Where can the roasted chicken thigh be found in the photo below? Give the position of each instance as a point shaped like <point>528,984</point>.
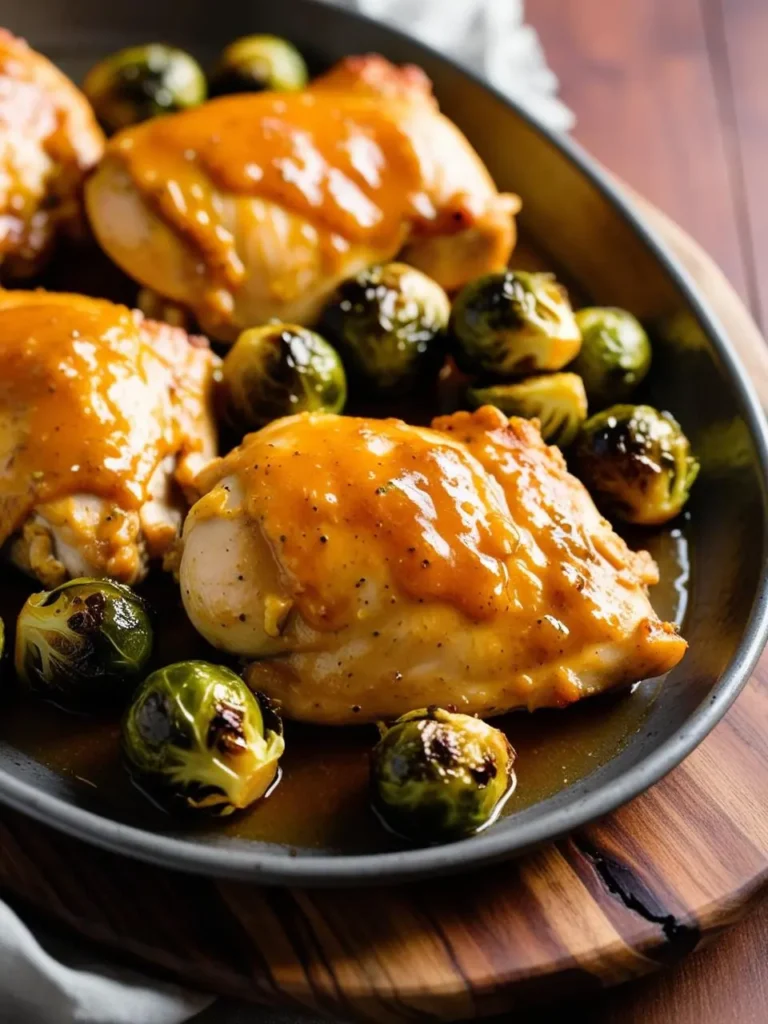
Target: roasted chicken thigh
<point>367,567</point>
<point>255,206</point>
<point>49,138</point>
<point>105,419</point>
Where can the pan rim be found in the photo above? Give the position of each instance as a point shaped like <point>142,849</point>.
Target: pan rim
<point>222,860</point>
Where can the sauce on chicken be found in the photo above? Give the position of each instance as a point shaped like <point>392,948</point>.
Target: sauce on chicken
<point>93,400</point>
<point>253,207</point>
<point>343,162</point>
<point>359,495</point>
<point>348,551</point>
<point>48,140</point>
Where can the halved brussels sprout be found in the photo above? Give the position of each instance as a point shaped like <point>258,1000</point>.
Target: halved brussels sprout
<point>196,739</point>
<point>556,400</point>
<point>142,82</point>
<point>281,369</point>
<point>513,323</point>
<point>615,354</point>
<point>637,463</point>
<point>388,324</point>
<point>255,63</point>
<point>83,645</point>
<point>437,775</point>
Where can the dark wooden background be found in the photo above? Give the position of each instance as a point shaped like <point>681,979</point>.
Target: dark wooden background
<point>672,95</point>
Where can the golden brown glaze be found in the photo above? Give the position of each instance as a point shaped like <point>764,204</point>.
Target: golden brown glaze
<point>322,800</point>
<point>49,138</point>
<point>98,403</point>
<point>302,189</point>
<point>415,503</point>
<point>347,165</point>
<point>585,580</point>
<point>376,567</point>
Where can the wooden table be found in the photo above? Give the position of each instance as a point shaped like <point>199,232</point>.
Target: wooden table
<point>672,95</point>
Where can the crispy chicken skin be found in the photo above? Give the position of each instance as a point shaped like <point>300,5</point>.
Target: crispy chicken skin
<point>368,567</point>
<point>105,420</point>
<point>49,138</point>
<point>255,206</point>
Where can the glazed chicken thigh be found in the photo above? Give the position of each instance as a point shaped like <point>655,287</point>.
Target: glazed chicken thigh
<point>105,419</point>
<point>255,206</point>
<point>49,138</point>
<point>368,567</point>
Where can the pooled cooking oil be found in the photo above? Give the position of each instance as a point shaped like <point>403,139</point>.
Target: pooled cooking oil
<point>322,799</point>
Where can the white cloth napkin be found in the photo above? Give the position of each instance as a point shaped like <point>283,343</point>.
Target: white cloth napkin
<point>64,985</point>
<point>46,981</point>
<point>489,36</point>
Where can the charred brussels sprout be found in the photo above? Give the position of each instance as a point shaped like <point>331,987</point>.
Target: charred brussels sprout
<point>637,463</point>
<point>142,82</point>
<point>513,323</point>
<point>615,354</point>
<point>196,739</point>
<point>281,369</point>
<point>255,63</point>
<point>437,776</point>
<point>387,323</point>
<point>556,400</point>
<point>84,645</point>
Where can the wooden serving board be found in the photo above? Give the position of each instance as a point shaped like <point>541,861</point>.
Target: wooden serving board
<point>620,898</point>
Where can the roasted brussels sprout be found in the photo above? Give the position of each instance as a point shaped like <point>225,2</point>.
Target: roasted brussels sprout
<point>513,323</point>
<point>437,775</point>
<point>83,645</point>
<point>254,63</point>
<point>387,324</point>
<point>615,354</point>
<point>636,462</point>
<point>141,82</point>
<point>197,740</point>
<point>556,400</point>
<point>280,369</point>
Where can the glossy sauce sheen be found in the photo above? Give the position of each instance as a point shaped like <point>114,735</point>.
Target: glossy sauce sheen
<point>24,107</point>
<point>45,123</point>
<point>79,380</point>
<point>340,161</point>
<point>418,503</point>
<point>387,539</point>
<point>322,799</point>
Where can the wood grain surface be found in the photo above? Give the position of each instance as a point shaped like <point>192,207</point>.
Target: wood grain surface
<point>648,99</point>
<point>627,69</point>
<point>739,32</point>
<point>672,97</point>
<point>639,890</point>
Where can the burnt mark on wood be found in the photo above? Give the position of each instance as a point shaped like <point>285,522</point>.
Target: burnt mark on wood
<point>626,886</point>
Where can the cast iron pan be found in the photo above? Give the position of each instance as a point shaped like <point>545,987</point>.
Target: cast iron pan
<point>597,244</point>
